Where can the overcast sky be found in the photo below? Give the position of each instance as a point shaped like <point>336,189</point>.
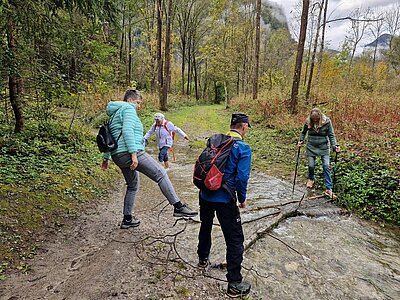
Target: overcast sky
<point>336,32</point>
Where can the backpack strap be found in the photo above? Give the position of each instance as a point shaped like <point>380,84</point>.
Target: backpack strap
<point>112,118</point>
<point>165,126</point>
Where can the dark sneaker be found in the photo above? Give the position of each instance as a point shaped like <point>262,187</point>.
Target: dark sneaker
<point>130,223</point>
<point>184,211</point>
<point>203,263</point>
<point>238,289</point>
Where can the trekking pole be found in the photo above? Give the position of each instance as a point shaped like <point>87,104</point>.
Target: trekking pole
<point>334,170</point>
<point>295,171</point>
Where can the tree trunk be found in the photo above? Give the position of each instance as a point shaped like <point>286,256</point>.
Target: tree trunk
<point>307,59</point>
<point>189,58</point>
<point>159,46</point>
<point>13,80</point>
<point>5,104</point>
<point>183,64</point>
<point>227,100</point>
<point>129,54</point>
<point>299,57</point>
<point>310,77</point>
<point>321,49</point>
<point>196,87</point>
<point>205,87</point>
<point>257,51</point>
<point>122,36</point>
<point>163,102</point>
<point>237,82</point>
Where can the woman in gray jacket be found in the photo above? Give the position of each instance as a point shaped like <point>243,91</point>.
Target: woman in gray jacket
<point>320,137</point>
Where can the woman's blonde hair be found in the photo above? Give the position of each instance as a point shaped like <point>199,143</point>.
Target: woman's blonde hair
<point>315,118</point>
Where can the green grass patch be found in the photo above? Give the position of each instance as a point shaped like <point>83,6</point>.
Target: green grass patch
<point>203,118</point>
<point>199,122</point>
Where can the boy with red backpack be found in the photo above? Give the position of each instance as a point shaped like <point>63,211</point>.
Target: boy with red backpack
<point>165,132</point>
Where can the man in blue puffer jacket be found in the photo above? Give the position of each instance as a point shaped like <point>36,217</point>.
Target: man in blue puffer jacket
<point>131,158</point>
<point>224,204</point>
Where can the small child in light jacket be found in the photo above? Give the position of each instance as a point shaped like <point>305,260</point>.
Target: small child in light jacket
<point>164,131</point>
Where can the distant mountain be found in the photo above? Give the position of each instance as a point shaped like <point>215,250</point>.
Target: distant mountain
<point>332,51</point>
<point>382,42</point>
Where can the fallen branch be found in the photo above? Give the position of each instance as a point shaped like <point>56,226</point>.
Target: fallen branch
<point>262,217</point>
<point>262,233</point>
<point>301,200</point>
<point>291,248</point>
<point>273,206</point>
<point>161,211</point>
<point>316,197</point>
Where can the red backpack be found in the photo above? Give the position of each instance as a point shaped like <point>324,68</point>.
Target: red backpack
<point>209,166</point>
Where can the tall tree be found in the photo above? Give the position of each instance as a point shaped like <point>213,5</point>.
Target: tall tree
<point>376,31</point>
<point>159,48</point>
<point>299,57</point>
<point>359,25</point>
<point>183,15</point>
<point>167,79</point>
<point>310,77</point>
<point>14,79</point>
<point>24,22</point>
<point>322,44</point>
<point>392,21</point>
<point>393,55</point>
<point>257,50</point>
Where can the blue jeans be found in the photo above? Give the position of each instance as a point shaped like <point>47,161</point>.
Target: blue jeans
<point>163,155</point>
<point>149,167</point>
<point>325,167</point>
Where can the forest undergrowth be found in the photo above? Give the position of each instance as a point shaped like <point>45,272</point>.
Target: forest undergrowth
<point>367,125</point>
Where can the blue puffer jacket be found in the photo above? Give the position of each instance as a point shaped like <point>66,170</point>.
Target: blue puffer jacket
<point>236,173</point>
<point>124,119</point>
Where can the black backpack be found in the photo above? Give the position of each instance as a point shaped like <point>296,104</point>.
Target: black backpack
<point>208,168</point>
<point>105,140</point>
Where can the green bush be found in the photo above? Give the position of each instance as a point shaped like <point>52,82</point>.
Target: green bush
<point>370,188</point>
<point>47,173</point>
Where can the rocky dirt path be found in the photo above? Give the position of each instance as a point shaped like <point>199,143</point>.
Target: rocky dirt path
<point>93,259</point>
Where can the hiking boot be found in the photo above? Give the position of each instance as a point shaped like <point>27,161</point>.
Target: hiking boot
<point>133,222</point>
<point>237,289</point>
<point>310,183</point>
<point>203,263</point>
<point>184,211</point>
<point>330,194</point>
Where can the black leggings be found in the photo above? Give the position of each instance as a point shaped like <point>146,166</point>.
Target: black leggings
<point>229,218</point>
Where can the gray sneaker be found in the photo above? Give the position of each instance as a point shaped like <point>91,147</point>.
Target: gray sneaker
<point>125,224</point>
<point>184,211</point>
<point>238,289</point>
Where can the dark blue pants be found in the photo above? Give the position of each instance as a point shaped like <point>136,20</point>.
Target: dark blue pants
<point>229,218</point>
<point>163,155</point>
